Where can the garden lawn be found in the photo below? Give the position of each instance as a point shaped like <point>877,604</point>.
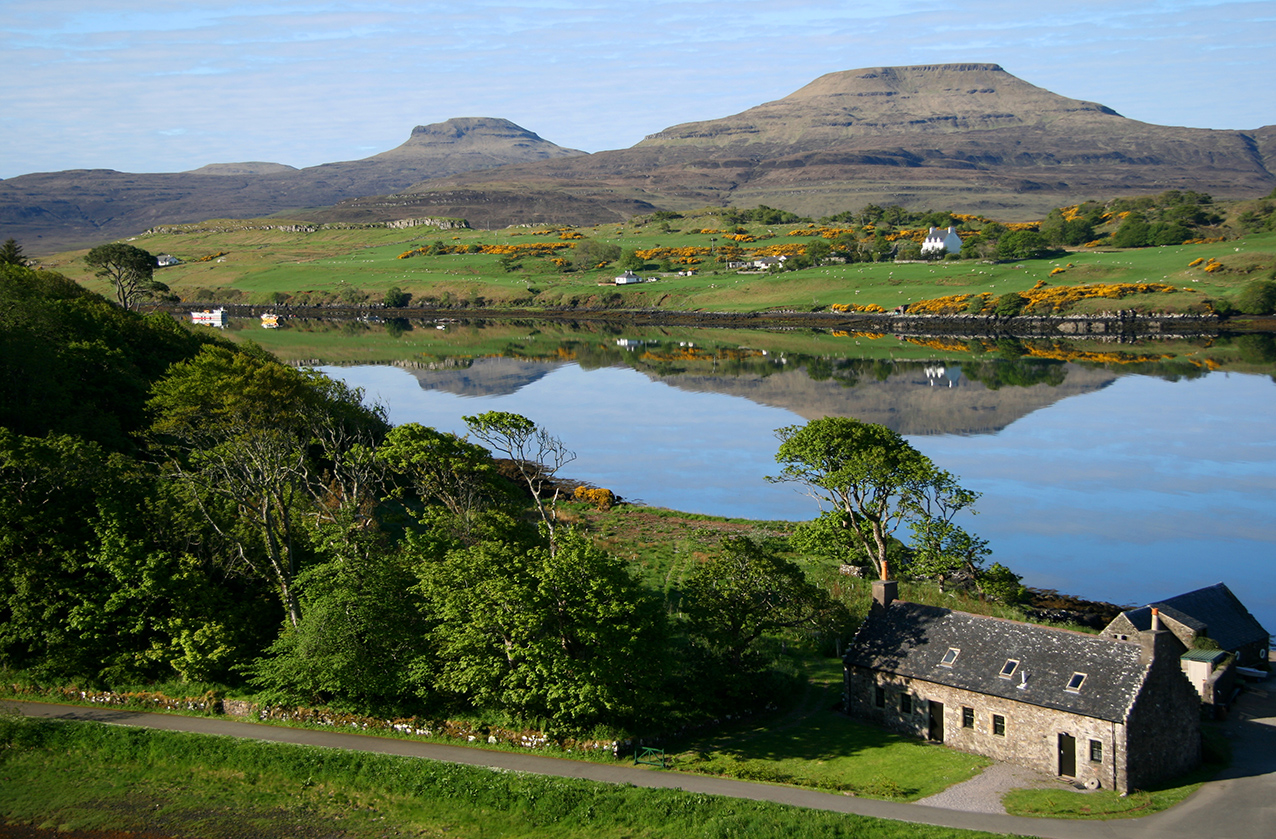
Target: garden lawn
<point>816,746</point>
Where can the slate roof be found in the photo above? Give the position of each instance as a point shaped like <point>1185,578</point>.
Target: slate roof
<point>1213,611</point>
<point>911,640</point>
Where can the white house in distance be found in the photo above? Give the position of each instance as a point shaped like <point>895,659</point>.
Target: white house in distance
<point>627,278</point>
<point>941,241</point>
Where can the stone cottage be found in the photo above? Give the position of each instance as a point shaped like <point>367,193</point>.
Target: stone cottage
<point>1104,712</point>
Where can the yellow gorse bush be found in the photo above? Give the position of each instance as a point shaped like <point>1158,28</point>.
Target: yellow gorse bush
<point>1057,298</point>
<point>600,498</point>
<point>950,305</point>
<point>687,252</point>
<point>856,307</point>
<point>1041,297</point>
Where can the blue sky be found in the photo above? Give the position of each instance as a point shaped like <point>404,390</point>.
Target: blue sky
<point>145,86</point>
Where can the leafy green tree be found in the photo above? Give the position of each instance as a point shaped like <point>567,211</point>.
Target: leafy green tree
<point>264,450</point>
<point>941,549</point>
<point>446,469</point>
<point>1133,232</point>
<point>1009,304</point>
<point>99,581</point>
<point>1000,583</point>
<point>865,471</point>
<point>570,636</point>
<point>396,298</point>
<point>73,363</point>
<point>731,601</point>
<point>536,454</point>
<point>590,253</point>
<point>1022,244</point>
<point>129,270</point>
<point>362,641</point>
<point>1258,297</point>
<point>631,261</point>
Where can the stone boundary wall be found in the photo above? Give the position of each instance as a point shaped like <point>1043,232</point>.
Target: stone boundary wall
<point>212,704</point>
<point>231,226</point>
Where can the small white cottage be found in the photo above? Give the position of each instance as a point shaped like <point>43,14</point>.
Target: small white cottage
<point>941,242</point>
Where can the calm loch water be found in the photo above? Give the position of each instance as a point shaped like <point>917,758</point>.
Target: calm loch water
<point>1126,488</point>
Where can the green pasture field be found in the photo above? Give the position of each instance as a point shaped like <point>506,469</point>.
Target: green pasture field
<point>256,265</point>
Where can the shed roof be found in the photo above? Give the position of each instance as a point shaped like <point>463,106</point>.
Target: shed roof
<point>912,640</point>
<point>1213,611</point>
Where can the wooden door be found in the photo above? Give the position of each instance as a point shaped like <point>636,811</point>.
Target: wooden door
<point>936,721</point>
<point>1067,755</point>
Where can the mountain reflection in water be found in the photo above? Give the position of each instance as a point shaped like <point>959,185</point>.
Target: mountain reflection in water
<point>1125,488</point>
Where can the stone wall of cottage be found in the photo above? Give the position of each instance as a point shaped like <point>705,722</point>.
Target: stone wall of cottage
<point>1165,722</point>
<point>1031,735</point>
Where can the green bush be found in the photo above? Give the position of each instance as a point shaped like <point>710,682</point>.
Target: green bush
<point>1257,298</point>
<point>1011,304</point>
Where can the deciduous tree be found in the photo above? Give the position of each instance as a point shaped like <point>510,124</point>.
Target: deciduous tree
<point>734,599</point>
<point>266,452</point>
<point>129,270</point>
<point>535,453</point>
<point>867,472</point>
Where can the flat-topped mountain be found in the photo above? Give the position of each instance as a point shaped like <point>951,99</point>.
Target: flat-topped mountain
<point>54,210</point>
<point>962,137</point>
<point>885,101</point>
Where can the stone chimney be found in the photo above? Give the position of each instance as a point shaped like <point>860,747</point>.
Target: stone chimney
<point>1158,643</point>
<point>884,590</point>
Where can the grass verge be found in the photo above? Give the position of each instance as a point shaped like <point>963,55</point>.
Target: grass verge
<point>83,776</point>
<point>1107,804</point>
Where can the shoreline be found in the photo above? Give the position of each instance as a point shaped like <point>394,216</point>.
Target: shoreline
<point>1122,324</point>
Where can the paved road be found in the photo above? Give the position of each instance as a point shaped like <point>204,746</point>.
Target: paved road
<point>1239,805</point>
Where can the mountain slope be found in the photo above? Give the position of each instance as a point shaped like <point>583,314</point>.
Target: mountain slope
<point>966,137</point>
<point>54,210</point>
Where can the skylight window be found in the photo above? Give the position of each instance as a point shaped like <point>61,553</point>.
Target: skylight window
<point>949,657</point>
<point>1075,683</point>
<point>1008,669</point>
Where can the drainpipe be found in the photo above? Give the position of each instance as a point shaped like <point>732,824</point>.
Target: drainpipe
<point>1114,755</point>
